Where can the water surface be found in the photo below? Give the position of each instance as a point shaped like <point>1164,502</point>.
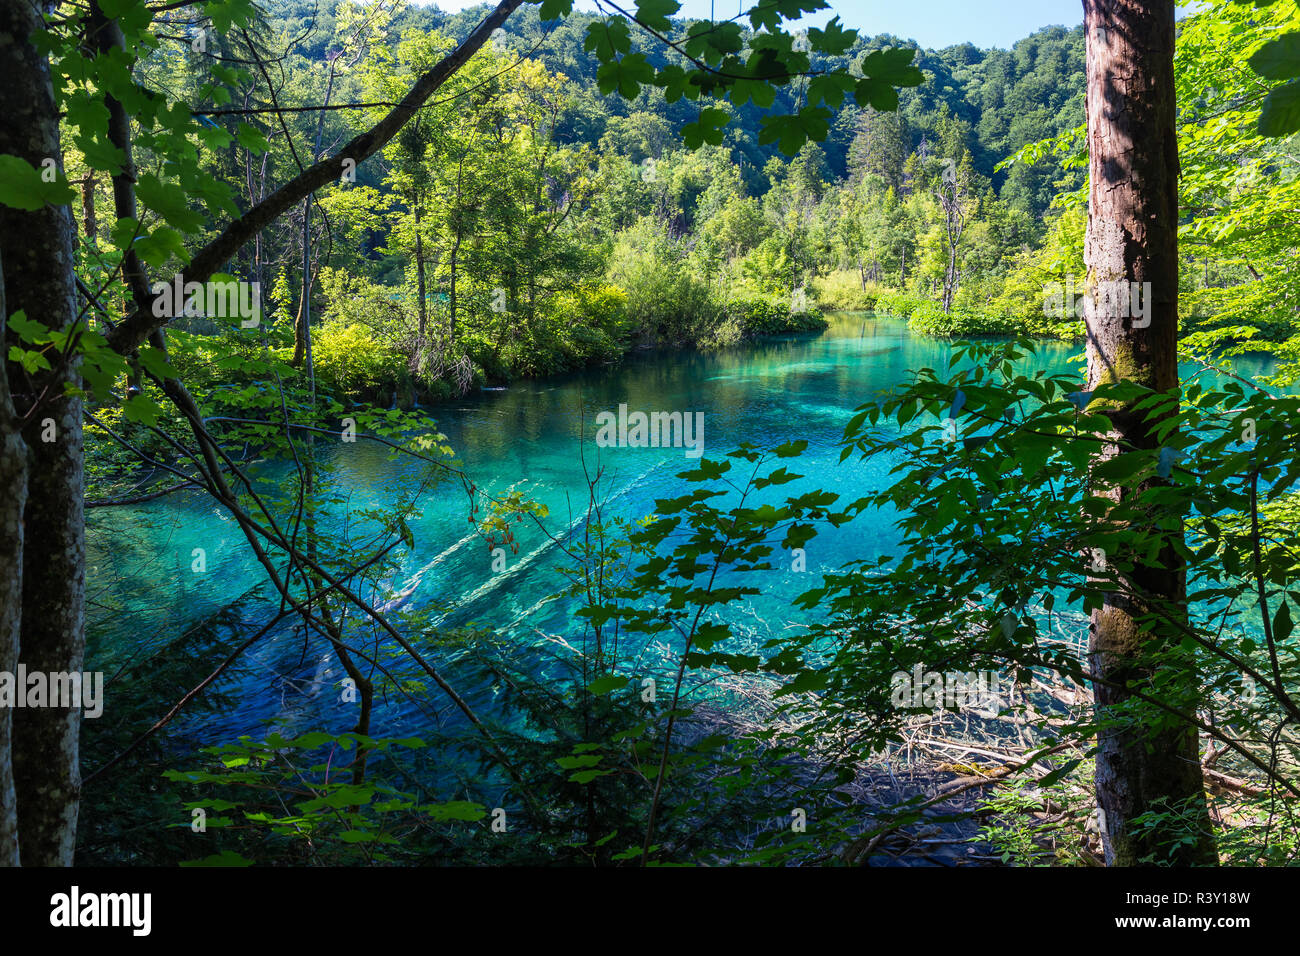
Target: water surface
<point>538,438</point>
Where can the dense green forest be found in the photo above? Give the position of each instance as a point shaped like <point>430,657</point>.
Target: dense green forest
<point>953,520</point>
<point>700,246</point>
<point>425,286</point>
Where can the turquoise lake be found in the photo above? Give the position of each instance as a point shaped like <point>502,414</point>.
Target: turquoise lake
<point>538,438</point>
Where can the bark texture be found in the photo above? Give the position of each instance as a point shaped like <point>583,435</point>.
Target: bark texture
<point>13,498</point>
<point>36,250</point>
<point>1132,237</point>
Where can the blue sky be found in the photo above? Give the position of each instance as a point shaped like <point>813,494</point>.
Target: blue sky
<point>932,23</point>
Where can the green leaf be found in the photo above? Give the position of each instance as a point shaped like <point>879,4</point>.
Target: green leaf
<point>675,82</point>
<point>831,89</point>
<point>608,38</point>
<point>252,139</point>
<point>877,94</point>
<point>760,92</point>
<point>159,246</point>
<point>100,153</point>
<point>456,810</point>
<point>22,186</point>
<point>807,681</point>
<point>893,66</point>
<point>707,129</point>
<point>1281,113</point>
<point>114,9</point>
<point>1050,778</point>
<point>155,362</point>
<point>657,14</point>
<point>170,201</point>
<point>790,133</point>
<point>1278,59</point>
<point>586,776</point>
<point>769,13</point>
<point>29,330</point>
<point>554,9</point>
<point>626,75</point>
<point>610,682</point>
<point>573,763</point>
<point>32,362</point>
<point>142,409</point>
<point>711,42</point>
<point>834,40</point>
<point>1282,626</point>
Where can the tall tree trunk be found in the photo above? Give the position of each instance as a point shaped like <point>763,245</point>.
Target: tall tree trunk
<point>36,251</point>
<point>420,285</point>
<point>451,310</point>
<point>13,498</point>
<point>302,357</point>
<point>949,196</point>
<point>302,327</point>
<point>90,224</point>
<point>1133,238</point>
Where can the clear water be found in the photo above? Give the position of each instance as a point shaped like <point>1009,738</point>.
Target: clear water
<point>538,437</point>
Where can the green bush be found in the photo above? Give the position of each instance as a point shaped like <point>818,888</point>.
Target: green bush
<point>750,318</point>
<point>765,317</point>
<point>666,303</point>
<point>929,319</point>
<point>353,362</point>
<point>577,327</point>
<point>842,291</point>
<point>483,353</point>
<point>900,304</point>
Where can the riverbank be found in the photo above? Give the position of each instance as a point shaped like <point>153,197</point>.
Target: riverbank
<point>597,326</point>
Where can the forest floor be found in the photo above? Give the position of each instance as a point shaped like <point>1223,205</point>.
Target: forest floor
<point>952,789</point>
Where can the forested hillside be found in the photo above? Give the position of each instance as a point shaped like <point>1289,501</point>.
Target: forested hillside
<point>694,246</point>
<point>423,281</point>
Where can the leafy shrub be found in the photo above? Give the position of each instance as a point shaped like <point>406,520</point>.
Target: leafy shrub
<point>750,318</point>
<point>483,354</point>
<point>287,799</point>
<point>927,317</point>
<point>930,319</point>
<point>765,317</point>
<point>579,327</point>
<point>1023,290</point>
<point>352,300</point>
<point>352,361</point>
<point>666,303</point>
<point>842,291</point>
<point>900,304</point>
<point>768,268</point>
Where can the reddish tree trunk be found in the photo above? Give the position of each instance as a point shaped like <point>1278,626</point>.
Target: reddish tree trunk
<point>1133,237</point>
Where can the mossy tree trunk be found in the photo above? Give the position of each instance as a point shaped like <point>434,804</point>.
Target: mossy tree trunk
<point>1132,237</point>
<point>36,253</point>
<point>13,498</point>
